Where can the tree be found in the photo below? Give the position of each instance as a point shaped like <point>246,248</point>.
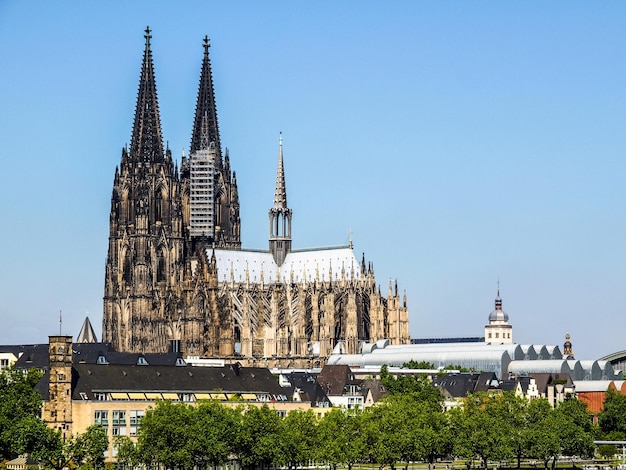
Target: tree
<point>165,437</point>
<point>577,431</point>
<point>214,428</point>
<point>340,438</point>
<point>94,442</point>
<point>20,403</point>
<point>126,451</point>
<point>260,431</point>
<point>542,435</point>
<point>512,411</point>
<point>404,384</point>
<point>298,438</point>
<point>413,364</point>
<point>59,452</point>
<point>612,418</point>
<point>481,429</point>
<point>386,431</point>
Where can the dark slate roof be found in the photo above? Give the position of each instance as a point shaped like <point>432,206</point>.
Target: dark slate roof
<point>334,378</point>
<point>376,388</point>
<point>544,379</point>
<point>508,385</point>
<point>87,353</point>
<point>457,385</point>
<point>35,355</point>
<point>310,388</point>
<point>90,378</point>
<point>485,381</point>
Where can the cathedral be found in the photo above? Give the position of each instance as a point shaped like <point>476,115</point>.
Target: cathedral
<point>177,277</point>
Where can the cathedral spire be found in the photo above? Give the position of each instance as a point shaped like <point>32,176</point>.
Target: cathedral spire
<point>280,193</point>
<point>280,214</point>
<point>206,109</point>
<point>147,140</point>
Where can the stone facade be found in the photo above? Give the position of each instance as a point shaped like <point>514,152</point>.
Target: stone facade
<point>162,281</point>
<point>57,411</point>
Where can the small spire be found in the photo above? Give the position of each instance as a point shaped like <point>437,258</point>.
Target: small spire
<point>86,335</point>
<point>280,194</point>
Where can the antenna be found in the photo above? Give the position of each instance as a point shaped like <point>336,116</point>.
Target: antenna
<point>60,323</point>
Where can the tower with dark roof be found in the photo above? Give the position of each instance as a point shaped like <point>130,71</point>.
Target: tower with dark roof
<point>498,330</point>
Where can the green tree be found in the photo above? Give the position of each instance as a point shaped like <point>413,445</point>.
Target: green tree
<point>481,430</point>
<point>413,364</point>
<point>512,412</point>
<point>386,431</point>
<point>126,451</point>
<point>340,436</point>
<point>612,418</point>
<point>257,441</point>
<point>215,428</point>
<point>577,431</point>
<point>19,404</point>
<point>543,440</point>
<point>298,438</point>
<point>60,452</point>
<point>165,437</point>
<point>93,443</point>
<point>403,384</point>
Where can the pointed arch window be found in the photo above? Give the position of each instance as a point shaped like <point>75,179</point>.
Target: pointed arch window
<point>161,267</point>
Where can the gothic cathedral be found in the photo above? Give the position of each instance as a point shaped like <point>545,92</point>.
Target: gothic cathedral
<point>177,277</point>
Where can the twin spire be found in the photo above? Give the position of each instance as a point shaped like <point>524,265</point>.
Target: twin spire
<point>205,121</point>
<point>147,141</point>
<point>147,138</point>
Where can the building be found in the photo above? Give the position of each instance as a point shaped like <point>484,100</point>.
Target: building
<point>498,330</point>
<point>176,272</point>
<point>79,389</point>
<point>495,353</point>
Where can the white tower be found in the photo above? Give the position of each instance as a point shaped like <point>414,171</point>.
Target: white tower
<point>498,331</point>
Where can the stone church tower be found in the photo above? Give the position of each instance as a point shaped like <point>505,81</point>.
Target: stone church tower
<point>158,283</point>
<point>176,273</point>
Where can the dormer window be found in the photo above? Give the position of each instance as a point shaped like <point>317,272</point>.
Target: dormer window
<point>102,360</point>
<point>141,361</point>
<point>180,361</point>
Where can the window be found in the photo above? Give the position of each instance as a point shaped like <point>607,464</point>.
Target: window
<point>98,396</point>
<point>135,421</point>
<point>281,413</point>
<point>4,363</point>
<point>119,422</point>
<point>101,417</point>
<point>355,402</point>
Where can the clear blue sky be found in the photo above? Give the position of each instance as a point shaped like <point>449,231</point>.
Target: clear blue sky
<point>461,142</point>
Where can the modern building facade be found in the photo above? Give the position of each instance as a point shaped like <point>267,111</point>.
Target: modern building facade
<point>176,272</point>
